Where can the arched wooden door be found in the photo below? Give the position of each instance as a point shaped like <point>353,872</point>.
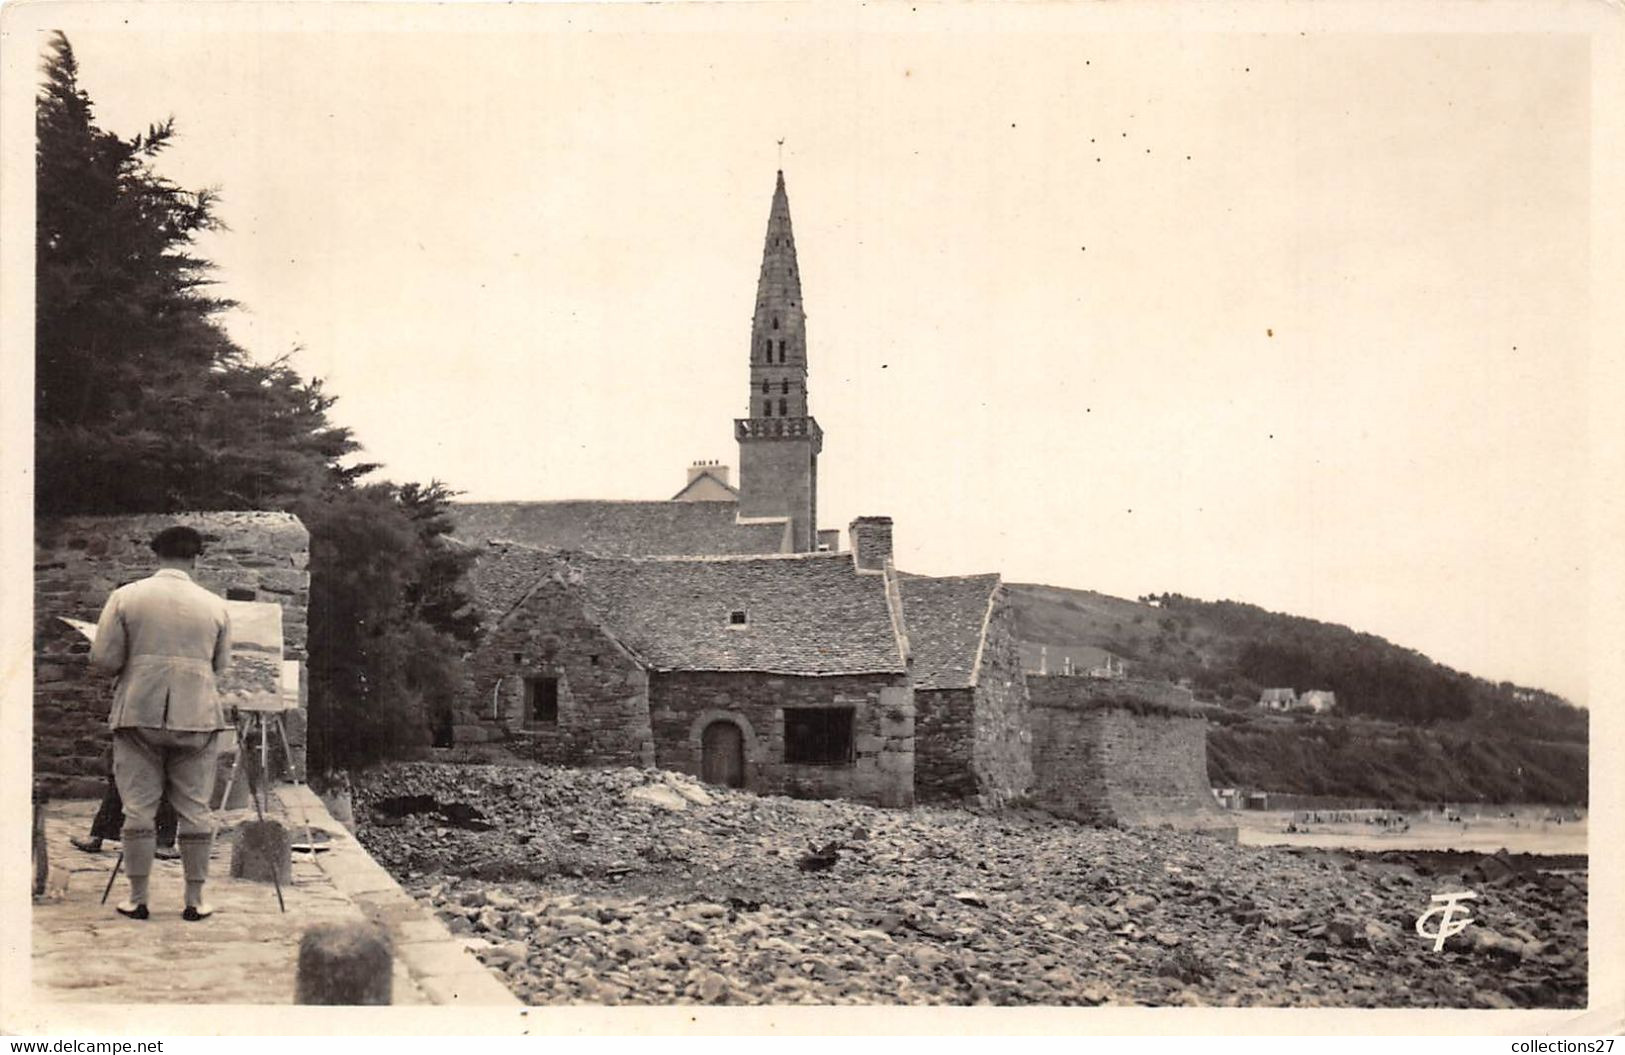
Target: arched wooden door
<point>722,755</point>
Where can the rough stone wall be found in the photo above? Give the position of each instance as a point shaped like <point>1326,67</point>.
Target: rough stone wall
<point>1069,777</point>
<point>944,736</point>
<point>603,713</point>
<point>1104,762</point>
<point>1003,751</point>
<point>683,703</point>
<point>79,561</point>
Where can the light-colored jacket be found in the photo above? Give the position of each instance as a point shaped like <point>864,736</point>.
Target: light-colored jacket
<point>167,639</point>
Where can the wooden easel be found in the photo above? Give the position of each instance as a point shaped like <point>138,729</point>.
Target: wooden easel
<point>264,722</point>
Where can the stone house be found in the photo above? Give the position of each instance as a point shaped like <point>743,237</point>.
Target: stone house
<point>79,561</point>
<point>1129,751</point>
<point>782,674</point>
<point>1278,700</point>
<point>972,736</point>
<point>705,633</point>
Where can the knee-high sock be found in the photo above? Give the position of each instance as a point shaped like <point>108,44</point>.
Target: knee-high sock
<point>138,847</point>
<point>195,847</point>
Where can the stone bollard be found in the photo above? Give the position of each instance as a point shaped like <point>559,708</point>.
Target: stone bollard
<point>345,963</point>
<point>261,849</point>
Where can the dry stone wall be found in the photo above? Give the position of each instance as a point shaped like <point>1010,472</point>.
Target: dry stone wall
<point>882,769</point>
<point>945,737</point>
<point>79,561</point>
<point>1002,753</point>
<point>1102,760</point>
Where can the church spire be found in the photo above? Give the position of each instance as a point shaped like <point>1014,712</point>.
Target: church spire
<point>779,439</point>
<point>778,357</point>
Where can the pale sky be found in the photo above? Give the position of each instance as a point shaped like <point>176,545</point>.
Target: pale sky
<point>1293,320</point>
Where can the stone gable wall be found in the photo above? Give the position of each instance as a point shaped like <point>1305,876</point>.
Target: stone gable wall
<point>1003,753</point>
<point>682,703</point>
<point>603,716</point>
<point>1103,763</point>
<point>976,744</point>
<point>79,561</point>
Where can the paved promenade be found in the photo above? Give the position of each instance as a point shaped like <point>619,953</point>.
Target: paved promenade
<point>247,953</point>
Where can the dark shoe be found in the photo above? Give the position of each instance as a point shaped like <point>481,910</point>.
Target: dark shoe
<point>167,853</point>
<point>132,911</point>
<point>193,913</point>
<point>89,846</point>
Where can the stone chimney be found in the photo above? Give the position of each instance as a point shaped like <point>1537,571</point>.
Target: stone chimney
<point>717,469</point>
<point>871,542</point>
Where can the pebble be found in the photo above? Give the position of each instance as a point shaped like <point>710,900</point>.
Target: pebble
<point>703,903</point>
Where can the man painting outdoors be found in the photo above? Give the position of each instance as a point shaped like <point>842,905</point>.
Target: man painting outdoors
<point>167,639</point>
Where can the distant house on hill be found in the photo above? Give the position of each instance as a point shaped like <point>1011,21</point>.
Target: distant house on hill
<point>1279,699</point>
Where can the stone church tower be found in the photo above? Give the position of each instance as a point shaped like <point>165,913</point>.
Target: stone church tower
<point>779,440</point>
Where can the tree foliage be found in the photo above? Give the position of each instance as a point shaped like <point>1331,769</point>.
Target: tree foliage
<point>143,404</point>
<point>387,619</point>
<point>1252,648</point>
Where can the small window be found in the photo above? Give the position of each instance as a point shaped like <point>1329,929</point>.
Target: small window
<point>767,348</point>
<point>784,408</point>
<point>764,386</point>
<point>781,350</point>
<point>767,408</point>
<point>736,617</point>
<point>542,700</point>
<point>775,322</point>
<point>593,659</point>
<point>818,736</point>
<point>239,593</point>
<point>784,388</point>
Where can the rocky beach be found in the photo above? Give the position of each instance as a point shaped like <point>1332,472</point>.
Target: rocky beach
<point>625,886</point>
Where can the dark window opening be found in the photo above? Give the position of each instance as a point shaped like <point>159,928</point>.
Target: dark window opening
<point>736,618</point>
<point>767,408</point>
<point>593,659</point>
<point>781,351</point>
<point>784,388</point>
<point>775,322</point>
<point>818,736</point>
<point>239,593</point>
<point>542,700</point>
<point>783,408</point>
<point>764,386</point>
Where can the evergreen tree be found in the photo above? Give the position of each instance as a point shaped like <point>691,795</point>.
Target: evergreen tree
<point>144,405</point>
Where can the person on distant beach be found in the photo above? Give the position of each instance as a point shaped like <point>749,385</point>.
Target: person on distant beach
<point>168,640</point>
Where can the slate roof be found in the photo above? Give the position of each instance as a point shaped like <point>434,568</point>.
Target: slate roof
<point>623,529</point>
<point>806,614</point>
<point>946,619</point>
